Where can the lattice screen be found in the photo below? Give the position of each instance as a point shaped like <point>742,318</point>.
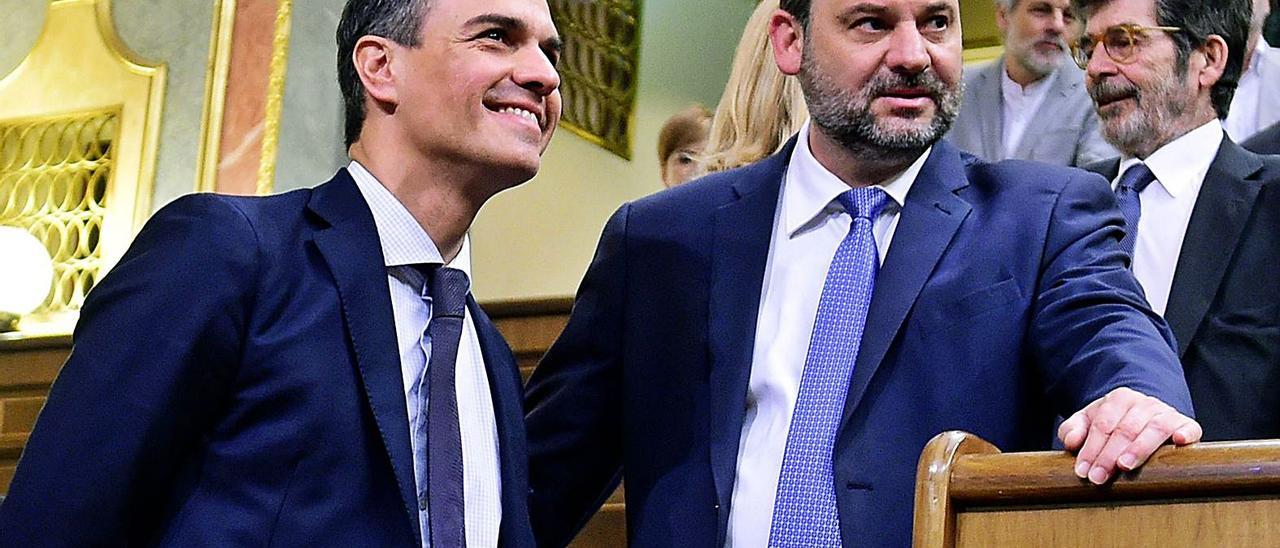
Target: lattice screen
<point>53,182</point>
<point>598,68</point>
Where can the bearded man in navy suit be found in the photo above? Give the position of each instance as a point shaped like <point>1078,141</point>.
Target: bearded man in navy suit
<point>269,371</point>
<point>762,354</point>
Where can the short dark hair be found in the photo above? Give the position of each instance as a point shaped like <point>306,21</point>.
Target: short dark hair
<point>683,129</point>
<point>1200,19</point>
<point>397,20</point>
<point>798,9</point>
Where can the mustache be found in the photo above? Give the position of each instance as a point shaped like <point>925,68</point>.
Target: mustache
<point>1106,91</point>
<point>1055,40</point>
<point>927,81</point>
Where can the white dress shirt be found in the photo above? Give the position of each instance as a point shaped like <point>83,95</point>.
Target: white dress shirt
<point>1180,168</point>
<point>1248,115</point>
<point>808,226</point>
<point>1020,108</point>
<point>404,244</point>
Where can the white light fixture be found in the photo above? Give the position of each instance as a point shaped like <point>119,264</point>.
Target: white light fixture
<point>26,275</point>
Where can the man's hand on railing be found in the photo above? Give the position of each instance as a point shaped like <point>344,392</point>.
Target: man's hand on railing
<point>1120,430</point>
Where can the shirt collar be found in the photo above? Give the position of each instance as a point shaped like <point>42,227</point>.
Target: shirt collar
<point>1263,49</point>
<point>1180,165</point>
<point>403,240</point>
<point>811,189</point>
<point>1014,89</point>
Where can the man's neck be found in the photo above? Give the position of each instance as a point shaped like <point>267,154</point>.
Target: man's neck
<point>443,199</point>
<point>1142,151</point>
<point>1020,74</point>
<point>859,166</point>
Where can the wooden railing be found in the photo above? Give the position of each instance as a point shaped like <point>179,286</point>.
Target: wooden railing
<point>1210,494</point>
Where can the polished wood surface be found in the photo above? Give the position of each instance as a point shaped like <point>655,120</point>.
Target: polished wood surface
<point>1220,493</point>
<point>1210,524</point>
<point>27,369</point>
<point>530,326</point>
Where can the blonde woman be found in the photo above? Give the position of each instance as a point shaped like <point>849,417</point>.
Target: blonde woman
<point>761,107</point>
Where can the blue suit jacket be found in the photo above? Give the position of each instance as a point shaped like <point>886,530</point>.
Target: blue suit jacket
<point>235,381</point>
<point>1003,301</point>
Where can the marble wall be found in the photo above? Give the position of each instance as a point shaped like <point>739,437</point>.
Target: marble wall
<point>311,132</point>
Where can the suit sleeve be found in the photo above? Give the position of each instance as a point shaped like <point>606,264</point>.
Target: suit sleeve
<point>1093,330</point>
<point>154,354</point>
<point>573,401</point>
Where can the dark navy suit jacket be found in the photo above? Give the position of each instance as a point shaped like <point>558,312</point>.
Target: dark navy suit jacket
<point>235,381</point>
<point>1266,141</point>
<point>1224,302</point>
<point>1004,300</point>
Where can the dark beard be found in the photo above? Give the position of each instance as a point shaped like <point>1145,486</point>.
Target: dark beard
<point>845,115</point>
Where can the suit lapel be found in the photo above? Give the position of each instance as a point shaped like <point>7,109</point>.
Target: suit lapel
<point>351,248</point>
<point>504,385</point>
<point>742,232</point>
<point>1049,116</point>
<point>1223,207</point>
<point>1108,169</point>
<point>991,102</point>
<point>928,222</point>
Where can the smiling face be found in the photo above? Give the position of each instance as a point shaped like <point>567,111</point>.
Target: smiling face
<point>882,74</point>
<point>1035,34</point>
<point>481,88</point>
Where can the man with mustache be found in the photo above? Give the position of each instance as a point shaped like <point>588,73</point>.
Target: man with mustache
<point>310,369</point>
<point>1031,102</point>
<point>1202,214</point>
<point>763,353</point>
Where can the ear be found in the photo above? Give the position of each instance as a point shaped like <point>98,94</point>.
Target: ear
<point>786,33</point>
<point>1002,18</point>
<point>1215,61</point>
<point>372,57</point>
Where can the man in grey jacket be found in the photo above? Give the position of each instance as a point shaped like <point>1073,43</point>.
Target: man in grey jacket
<point>1030,103</point>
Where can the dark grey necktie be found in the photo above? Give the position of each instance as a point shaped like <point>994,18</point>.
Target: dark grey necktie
<point>1133,182</point>
<point>448,289</point>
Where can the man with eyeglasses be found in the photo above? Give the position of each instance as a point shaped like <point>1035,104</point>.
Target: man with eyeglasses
<point>1031,103</point>
<point>1202,213</point>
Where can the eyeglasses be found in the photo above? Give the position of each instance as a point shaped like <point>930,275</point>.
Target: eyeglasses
<point>1119,42</point>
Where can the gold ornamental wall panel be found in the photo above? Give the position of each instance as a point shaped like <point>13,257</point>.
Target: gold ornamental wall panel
<point>598,69</point>
<point>54,174</point>
<point>79,127</point>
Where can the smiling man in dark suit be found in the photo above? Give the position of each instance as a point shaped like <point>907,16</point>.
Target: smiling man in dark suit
<point>762,354</point>
<point>1203,213</point>
<point>269,371</point>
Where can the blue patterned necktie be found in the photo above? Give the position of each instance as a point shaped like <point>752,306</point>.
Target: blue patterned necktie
<point>1133,182</point>
<point>441,491</point>
<point>804,513</point>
